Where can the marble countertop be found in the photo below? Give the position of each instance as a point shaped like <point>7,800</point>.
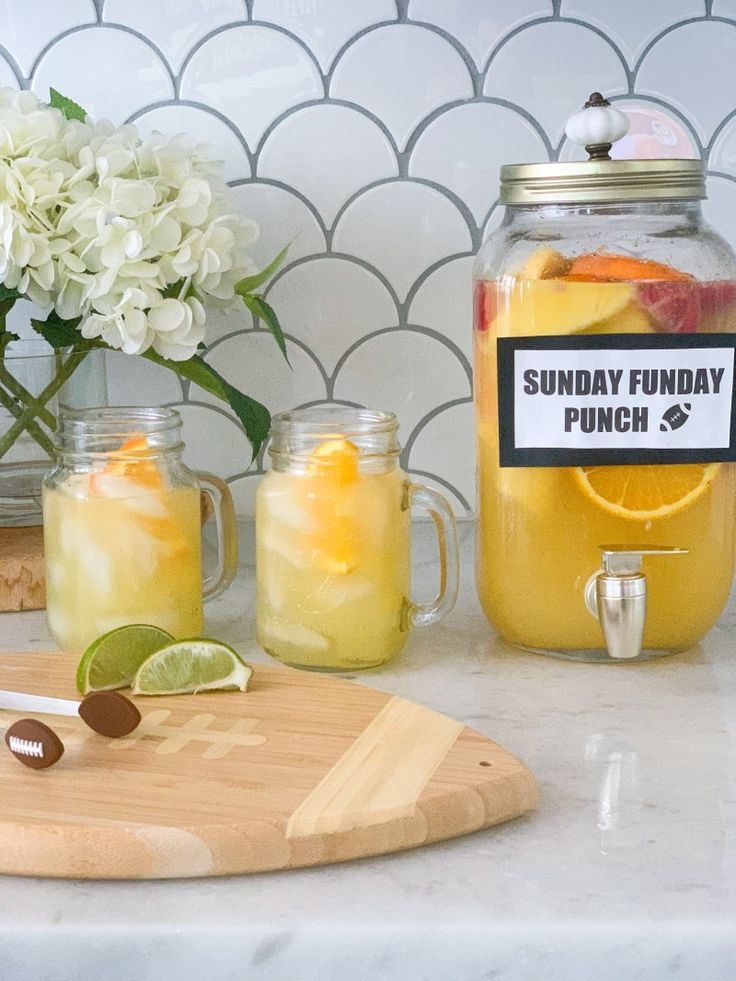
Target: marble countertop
<point>628,868</point>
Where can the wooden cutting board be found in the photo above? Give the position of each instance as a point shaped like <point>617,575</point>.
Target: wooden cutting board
<point>302,769</point>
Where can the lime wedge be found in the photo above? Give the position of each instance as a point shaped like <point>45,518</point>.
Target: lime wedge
<point>189,666</point>
<point>112,660</point>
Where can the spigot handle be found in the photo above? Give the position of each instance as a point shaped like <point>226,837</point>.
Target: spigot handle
<point>623,560</point>
<point>617,596</point>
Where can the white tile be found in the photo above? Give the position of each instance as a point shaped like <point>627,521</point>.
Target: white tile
<point>226,318</point>
<point>462,151</point>
<point>404,372</point>
<point>282,218</point>
<point>401,228</point>
<point>478,24</point>
<point>135,381</point>
<point>401,73</point>
<point>550,70</point>
<point>329,304</point>
<point>445,447</point>
<point>27,26</point>
<point>458,505</point>
<point>244,490</point>
<point>172,25</point>
<point>110,72</point>
<point>724,8</point>
<point>214,441</point>
<point>327,153</point>
<point>201,127</point>
<point>324,25</point>
<point>19,319</point>
<point>253,363</point>
<point>632,25</point>
<point>654,133</point>
<point>444,302</point>
<point>723,152</point>
<point>252,75</point>
<point>7,75</point>
<point>494,221</point>
<point>720,207</point>
<point>693,68</point>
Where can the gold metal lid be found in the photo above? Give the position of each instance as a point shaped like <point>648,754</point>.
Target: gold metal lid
<point>602,181</point>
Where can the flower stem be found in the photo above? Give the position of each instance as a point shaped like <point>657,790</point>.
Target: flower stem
<point>33,408</point>
<point>15,388</point>
<point>32,427</point>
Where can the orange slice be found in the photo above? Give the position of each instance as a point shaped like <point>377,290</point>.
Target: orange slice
<point>333,468</point>
<point>335,458</point>
<point>131,461</point>
<point>645,493</point>
<point>603,266</point>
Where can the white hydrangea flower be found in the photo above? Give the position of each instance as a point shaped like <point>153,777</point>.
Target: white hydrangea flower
<point>135,237</point>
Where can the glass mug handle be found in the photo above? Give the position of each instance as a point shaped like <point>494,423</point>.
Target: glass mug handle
<point>227,534</point>
<point>421,614</point>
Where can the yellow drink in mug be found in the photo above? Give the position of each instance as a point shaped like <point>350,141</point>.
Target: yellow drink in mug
<point>333,539</point>
<point>122,527</point>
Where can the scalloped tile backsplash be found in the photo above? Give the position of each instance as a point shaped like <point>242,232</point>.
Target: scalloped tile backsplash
<point>373,130</point>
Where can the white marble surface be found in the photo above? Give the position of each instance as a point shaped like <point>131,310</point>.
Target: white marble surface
<point>628,869</point>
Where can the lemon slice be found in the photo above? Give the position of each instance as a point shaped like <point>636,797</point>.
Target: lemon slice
<point>190,666</point>
<point>645,493</point>
<point>112,660</point>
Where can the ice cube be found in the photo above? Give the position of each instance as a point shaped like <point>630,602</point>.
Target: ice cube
<point>272,631</point>
<point>282,505</point>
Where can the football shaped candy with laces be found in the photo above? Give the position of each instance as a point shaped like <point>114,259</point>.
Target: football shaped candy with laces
<point>34,744</point>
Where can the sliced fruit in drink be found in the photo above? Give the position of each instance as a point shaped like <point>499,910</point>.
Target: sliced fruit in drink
<point>191,666</point>
<point>609,267</point>
<point>544,263</point>
<point>554,307</point>
<point>674,307</point>
<point>630,320</point>
<point>131,462</point>
<point>333,468</point>
<point>485,304</point>
<point>112,660</point>
<point>645,493</point>
<point>276,632</point>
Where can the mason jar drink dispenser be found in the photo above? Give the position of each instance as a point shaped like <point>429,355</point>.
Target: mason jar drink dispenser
<point>604,319</point>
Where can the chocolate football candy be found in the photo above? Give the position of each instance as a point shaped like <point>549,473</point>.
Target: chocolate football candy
<point>34,744</point>
<point>109,713</point>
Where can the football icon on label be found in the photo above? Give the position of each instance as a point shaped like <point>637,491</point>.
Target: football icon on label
<point>676,416</point>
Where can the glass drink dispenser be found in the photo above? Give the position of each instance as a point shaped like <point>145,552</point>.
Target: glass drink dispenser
<point>604,319</point>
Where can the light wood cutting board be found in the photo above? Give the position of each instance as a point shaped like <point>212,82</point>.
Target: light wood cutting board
<point>302,769</point>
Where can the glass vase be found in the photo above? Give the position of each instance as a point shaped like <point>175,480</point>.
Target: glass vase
<point>35,382</point>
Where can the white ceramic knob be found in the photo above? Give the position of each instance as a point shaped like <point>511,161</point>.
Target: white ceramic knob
<point>598,124</point>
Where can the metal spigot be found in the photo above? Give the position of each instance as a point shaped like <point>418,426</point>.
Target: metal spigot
<point>617,596</point>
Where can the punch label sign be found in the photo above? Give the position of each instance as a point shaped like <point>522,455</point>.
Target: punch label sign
<point>616,399</point>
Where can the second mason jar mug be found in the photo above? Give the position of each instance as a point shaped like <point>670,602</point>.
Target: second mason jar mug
<point>333,539</point>
<point>122,527</point>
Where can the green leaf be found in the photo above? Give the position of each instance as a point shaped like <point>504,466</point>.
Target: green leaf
<point>259,308</point>
<point>61,333</point>
<point>255,418</point>
<point>8,294</point>
<point>6,337</point>
<point>250,283</point>
<point>68,108</point>
<point>7,299</point>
